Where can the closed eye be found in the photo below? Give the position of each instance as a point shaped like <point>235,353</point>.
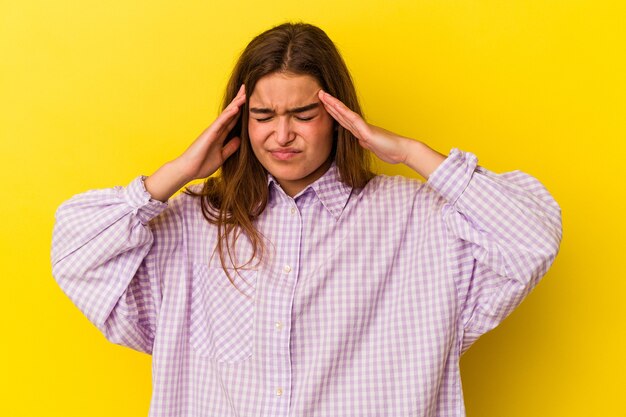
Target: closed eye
<point>300,118</point>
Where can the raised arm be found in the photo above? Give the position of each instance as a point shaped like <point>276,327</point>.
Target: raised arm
<point>506,228</point>
<point>110,246</point>
<point>205,155</point>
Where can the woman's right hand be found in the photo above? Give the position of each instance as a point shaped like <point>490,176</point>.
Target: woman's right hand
<point>203,157</point>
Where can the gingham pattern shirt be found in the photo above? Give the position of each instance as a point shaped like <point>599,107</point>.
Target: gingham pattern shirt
<point>362,306</point>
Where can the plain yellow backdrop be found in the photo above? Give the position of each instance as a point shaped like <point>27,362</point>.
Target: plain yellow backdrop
<point>96,93</point>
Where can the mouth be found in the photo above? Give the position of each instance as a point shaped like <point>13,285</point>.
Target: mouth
<point>284,154</point>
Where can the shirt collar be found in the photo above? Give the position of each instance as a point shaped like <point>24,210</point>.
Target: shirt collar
<point>331,192</point>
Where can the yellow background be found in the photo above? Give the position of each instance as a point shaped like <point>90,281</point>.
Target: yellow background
<point>94,93</point>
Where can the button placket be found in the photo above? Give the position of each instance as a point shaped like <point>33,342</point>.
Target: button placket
<point>287,265</point>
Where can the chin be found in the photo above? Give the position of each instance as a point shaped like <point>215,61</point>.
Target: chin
<point>287,174</point>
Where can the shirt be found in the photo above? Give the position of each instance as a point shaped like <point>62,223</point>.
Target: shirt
<point>362,305</point>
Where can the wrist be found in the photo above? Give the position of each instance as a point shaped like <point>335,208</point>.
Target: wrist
<point>166,181</point>
<point>177,173</point>
<point>423,159</point>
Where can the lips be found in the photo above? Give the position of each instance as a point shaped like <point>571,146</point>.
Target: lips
<point>284,154</point>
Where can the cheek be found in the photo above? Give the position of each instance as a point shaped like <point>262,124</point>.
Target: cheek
<point>256,133</point>
<point>322,132</point>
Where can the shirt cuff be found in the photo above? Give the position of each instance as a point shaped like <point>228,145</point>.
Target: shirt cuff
<point>453,175</point>
<point>144,206</point>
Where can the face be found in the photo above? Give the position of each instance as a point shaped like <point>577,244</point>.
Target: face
<point>290,131</point>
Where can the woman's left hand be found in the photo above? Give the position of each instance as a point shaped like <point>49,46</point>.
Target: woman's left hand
<point>386,145</point>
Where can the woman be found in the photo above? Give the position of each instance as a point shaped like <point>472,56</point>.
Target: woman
<point>334,292</point>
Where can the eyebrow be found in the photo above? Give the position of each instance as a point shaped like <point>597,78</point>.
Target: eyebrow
<point>301,109</point>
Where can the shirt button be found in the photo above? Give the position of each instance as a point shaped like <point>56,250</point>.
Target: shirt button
<point>286,269</point>
<point>278,325</point>
<point>292,210</point>
<point>279,392</point>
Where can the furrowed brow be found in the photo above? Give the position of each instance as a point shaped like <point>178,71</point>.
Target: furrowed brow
<point>261,111</point>
<point>302,109</point>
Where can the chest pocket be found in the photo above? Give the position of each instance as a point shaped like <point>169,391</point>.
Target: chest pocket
<point>222,315</point>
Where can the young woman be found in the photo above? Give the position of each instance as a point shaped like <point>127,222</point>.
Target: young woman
<point>297,282</point>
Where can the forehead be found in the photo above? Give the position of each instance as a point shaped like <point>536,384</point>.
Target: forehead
<point>279,90</point>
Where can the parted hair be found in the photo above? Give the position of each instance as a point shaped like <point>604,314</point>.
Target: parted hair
<point>235,198</point>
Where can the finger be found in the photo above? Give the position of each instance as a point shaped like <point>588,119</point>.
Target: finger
<point>232,124</point>
<point>222,131</point>
<point>341,109</point>
<point>240,97</point>
<point>233,115</point>
<point>342,121</point>
<point>236,103</point>
<point>220,125</point>
<point>346,117</point>
<point>230,147</point>
<point>328,105</point>
<point>338,109</point>
<point>228,118</point>
<point>225,122</point>
<point>238,100</point>
<point>242,90</point>
<point>349,119</point>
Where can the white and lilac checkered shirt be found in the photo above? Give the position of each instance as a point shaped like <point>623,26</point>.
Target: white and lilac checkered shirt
<point>364,303</point>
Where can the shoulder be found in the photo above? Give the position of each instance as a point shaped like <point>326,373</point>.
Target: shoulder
<point>396,191</point>
<point>383,185</point>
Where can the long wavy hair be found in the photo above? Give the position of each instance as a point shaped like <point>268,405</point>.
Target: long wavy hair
<point>235,198</point>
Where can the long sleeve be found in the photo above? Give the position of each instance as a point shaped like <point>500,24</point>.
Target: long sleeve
<point>506,231</point>
<point>105,257</point>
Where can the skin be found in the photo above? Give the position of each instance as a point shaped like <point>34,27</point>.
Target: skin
<point>290,131</point>
<point>284,133</point>
<point>386,145</point>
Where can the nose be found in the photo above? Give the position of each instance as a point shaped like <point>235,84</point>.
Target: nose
<point>284,133</point>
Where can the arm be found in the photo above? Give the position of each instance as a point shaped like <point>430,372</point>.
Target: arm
<point>205,155</point>
<point>100,240</point>
<point>110,246</point>
<point>506,229</point>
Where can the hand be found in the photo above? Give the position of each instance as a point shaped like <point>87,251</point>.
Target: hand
<point>203,157</point>
<point>386,145</point>
<point>208,152</point>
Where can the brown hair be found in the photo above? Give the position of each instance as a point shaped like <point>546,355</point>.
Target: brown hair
<point>235,199</point>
